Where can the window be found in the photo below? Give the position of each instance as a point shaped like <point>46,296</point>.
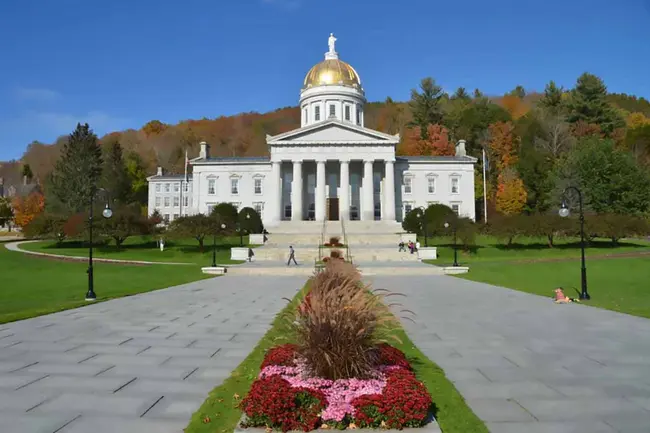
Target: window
<point>332,110</point>
<point>176,187</point>
<point>317,113</point>
<point>186,201</point>
<point>157,201</point>
<point>175,217</point>
<point>455,207</point>
<point>166,187</point>
<point>347,113</point>
<point>166,218</point>
<point>431,185</point>
<point>157,187</point>
<point>234,186</point>
<point>166,201</point>
<point>258,186</point>
<point>210,208</point>
<point>187,187</point>
<point>259,207</point>
<point>454,185</point>
<point>287,211</point>
<point>212,186</point>
<point>408,207</point>
<point>408,185</point>
<point>358,115</point>
<point>177,201</point>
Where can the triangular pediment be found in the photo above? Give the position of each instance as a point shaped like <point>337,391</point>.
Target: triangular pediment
<point>332,132</point>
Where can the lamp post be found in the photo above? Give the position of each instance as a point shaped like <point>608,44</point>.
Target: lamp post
<point>214,246</point>
<point>423,225</point>
<point>106,213</point>
<point>241,231</point>
<point>564,212</point>
<point>455,249</point>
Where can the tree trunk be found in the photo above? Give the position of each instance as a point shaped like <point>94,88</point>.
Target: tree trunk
<point>550,240</point>
<point>200,244</point>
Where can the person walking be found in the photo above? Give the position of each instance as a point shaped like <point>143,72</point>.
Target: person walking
<point>292,256</point>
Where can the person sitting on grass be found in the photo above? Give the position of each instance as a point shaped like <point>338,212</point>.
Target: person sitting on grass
<point>561,298</point>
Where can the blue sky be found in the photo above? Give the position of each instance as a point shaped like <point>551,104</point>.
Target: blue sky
<point>118,64</point>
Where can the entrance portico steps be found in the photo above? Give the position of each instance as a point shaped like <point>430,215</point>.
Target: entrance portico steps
<point>306,268</point>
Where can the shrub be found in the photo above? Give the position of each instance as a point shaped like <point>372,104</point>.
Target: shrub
<point>338,333</point>
<point>280,355</point>
<point>273,403</point>
<point>405,402</point>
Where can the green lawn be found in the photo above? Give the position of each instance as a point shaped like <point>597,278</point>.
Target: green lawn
<point>619,284</point>
<point>145,248</point>
<point>490,249</point>
<point>219,412</point>
<point>32,286</point>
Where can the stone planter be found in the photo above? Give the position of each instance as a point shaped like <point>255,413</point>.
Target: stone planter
<point>452,270</point>
<point>256,239</point>
<point>239,253</point>
<point>219,270</point>
<point>428,253</point>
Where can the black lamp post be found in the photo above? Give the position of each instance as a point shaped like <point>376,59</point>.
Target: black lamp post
<point>214,246</point>
<point>423,225</point>
<point>241,231</point>
<point>564,212</point>
<point>106,213</point>
<point>455,249</point>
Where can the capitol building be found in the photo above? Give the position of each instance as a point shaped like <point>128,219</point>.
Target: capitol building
<point>330,168</point>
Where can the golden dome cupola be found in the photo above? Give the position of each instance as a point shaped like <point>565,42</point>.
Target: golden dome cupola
<point>332,90</point>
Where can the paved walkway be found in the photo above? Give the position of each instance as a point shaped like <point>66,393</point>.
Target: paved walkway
<point>139,364</point>
<point>527,365</point>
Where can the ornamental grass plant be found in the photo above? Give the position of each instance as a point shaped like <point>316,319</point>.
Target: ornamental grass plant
<point>341,324</point>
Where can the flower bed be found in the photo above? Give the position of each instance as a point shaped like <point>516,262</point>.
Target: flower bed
<point>286,397</point>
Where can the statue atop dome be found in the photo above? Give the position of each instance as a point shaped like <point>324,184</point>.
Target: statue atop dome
<point>332,42</point>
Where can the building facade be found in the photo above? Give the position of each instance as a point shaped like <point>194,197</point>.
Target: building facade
<point>332,167</point>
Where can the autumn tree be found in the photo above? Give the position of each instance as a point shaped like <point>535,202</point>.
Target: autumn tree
<point>437,142</point>
<point>390,117</point>
<point>78,170</point>
<point>637,141</point>
<point>518,92</point>
<point>126,221</point>
<point>6,212</point>
<point>154,127</point>
<point>27,208</point>
<point>637,120</point>
<point>511,194</point>
<point>503,145</point>
<point>554,135</point>
<point>137,177</point>
<point>426,106</point>
<point>515,106</point>
<point>588,103</point>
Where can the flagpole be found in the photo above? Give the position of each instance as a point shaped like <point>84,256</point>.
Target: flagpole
<point>185,179</point>
<point>484,189</point>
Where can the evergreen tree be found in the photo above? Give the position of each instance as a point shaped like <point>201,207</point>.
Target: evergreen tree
<point>77,171</point>
<point>518,92</point>
<point>588,103</point>
<point>137,178</point>
<point>426,107</point>
<point>461,94</point>
<point>115,175</point>
<point>552,99</point>
<point>27,172</point>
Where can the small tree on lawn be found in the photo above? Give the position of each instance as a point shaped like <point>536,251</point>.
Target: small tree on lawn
<point>466,230</point>
<point>126,221</point>
<point>545,225</point>
<point>413,221</point>
<point>195,226</point>
<point>250,220</point>
<point>617,227</point>
<point>227,214</point>
<point>47,225</point>
<point>435,217</point>
<point>508,227</point>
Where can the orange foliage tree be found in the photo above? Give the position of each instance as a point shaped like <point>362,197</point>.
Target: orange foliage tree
<point>28,208</point>
<point>511,194</point>
<point>503,144</point>
<point>514,105</point>
<point>437,143</point>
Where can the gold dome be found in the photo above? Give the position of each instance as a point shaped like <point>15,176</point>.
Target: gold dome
<point>332,72</point>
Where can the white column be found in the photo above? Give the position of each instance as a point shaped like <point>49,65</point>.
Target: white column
<point>320,191</point>
<point>296,192</point>
<point>388,213</point>
<point>276,193</point>
<point>368,208</point>
<point>344,199</point>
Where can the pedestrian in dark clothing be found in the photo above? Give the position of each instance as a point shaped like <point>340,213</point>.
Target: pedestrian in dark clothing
<point>292,256</point>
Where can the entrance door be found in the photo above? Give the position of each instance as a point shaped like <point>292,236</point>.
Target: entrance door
<point>333,209</point>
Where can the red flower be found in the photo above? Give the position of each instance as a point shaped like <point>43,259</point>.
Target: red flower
<point>388,355</point>
<point>280,355</point>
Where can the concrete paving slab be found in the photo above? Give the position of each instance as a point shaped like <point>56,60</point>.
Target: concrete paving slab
<point>551,427</point>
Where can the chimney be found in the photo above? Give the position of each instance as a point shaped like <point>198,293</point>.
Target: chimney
<point>24,180</point>
<point>205,150</point>
<point>159,172</point>
<point>460,148</point>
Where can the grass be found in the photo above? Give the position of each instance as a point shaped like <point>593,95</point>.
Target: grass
<point>219,412</point>
<point>145,248</point>
<point>33,286</point>
<point>618,284</point>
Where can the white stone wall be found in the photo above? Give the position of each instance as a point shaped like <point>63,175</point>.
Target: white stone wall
<point>442,173</point>
<point>170,204</point>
